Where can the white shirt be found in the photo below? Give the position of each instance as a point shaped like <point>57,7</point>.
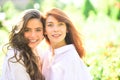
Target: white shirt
<point>13,71</point>
<point>65,65</point>
<point>16,71</point>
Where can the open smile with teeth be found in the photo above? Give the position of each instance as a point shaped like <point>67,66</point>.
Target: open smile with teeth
<point>33,41</point>
<point>56,35</point>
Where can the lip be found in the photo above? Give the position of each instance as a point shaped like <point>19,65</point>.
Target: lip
<point>33,41</point>
<point>56,35</point>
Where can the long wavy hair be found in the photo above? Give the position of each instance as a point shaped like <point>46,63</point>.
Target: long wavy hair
<point>19,43</point>
<point>73,36</point>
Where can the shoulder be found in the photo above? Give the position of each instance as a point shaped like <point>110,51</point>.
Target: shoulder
<point>11,52</point>
<point>69,50</point>
<point>69,55</point>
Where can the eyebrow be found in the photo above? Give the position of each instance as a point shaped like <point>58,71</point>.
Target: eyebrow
<point>35,28</point>
<point>49,22</point>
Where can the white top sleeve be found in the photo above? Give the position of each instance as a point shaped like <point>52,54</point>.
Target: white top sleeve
<point>13,71</point>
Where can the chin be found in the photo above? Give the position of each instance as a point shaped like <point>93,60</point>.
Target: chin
<point>31,46</point>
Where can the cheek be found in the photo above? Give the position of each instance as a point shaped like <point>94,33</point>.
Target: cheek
<point>64,30</point>
<point>40,35</point>
<point>48,32</point>
<point>25,35</point>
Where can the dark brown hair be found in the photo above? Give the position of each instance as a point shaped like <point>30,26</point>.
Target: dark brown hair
<point>18,42</point>
<point>73,36</point>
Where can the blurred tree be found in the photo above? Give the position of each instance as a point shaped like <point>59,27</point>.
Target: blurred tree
<point>60,4</point>
<point>1,24</point>
<point>87,8</point>
<point>47,4</point>
<point>31,4</point>
<point>114,10</point>
<point>9,9</point>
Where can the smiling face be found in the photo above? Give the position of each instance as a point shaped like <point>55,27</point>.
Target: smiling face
<point>34,32</point>
<point>55,31</point>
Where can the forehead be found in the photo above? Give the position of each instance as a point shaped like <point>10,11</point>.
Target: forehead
<point>56,17</point>
<point>34,23</point>
<point>51,18</point>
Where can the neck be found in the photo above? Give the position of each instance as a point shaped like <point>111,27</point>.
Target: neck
<point>58,45</point>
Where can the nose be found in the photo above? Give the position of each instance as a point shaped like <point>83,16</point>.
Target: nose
<point>33,33</point>
<point>56,28</point>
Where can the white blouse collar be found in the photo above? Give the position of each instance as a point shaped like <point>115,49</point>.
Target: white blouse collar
<point>63,49</point>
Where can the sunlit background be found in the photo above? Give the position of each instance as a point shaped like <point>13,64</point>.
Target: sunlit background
<point>97,20</point>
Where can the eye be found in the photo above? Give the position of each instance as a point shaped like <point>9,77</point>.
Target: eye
<point>39,29</point>
<point>26,30</point>
<point>61,23</point>
<point>49,25</point>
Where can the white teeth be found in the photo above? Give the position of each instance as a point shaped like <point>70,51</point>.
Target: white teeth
<point>56,35</point>
<point>33,40</point>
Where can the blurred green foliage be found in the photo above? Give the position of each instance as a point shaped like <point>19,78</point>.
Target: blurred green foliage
<point>97,20</point>
<point>9,9</point>
<point>87,8</point>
